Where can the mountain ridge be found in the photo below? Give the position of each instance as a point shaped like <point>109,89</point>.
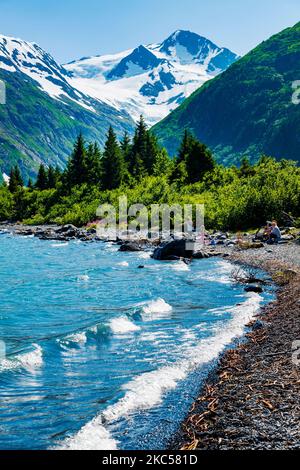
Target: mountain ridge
<point>43,112</point>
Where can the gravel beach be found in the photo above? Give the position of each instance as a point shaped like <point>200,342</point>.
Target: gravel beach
<point>251,402</point>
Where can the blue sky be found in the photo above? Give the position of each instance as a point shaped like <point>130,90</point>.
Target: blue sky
<point>70,29</point>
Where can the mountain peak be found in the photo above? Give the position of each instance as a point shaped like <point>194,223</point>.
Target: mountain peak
<point>192,41</point>
<point>140,60</point>
<point>187,47</point>
<point>181,33</point>
<point>153,78</point>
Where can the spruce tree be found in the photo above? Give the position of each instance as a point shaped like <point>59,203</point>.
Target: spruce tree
<point>179,173</point>
<point>138,170</point>
<point>138,154</point>
<point>51,178</point>
<point>193,161</point>
<point>18,176</point>
<point>112,162</point>
<point>198,161</point>
<point>125,145</point>
<point>12,186</point>
<point>15,179</point>
<point>93,164</point>
<point>152,152</point>
<point>76,173</point>
<point>185,146</point>
<point>42,178</point>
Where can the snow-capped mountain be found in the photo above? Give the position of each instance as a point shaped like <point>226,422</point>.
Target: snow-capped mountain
<point>153,79</point>
<point>49,104</point>
<point>44,113</point>
<point>29,59</point>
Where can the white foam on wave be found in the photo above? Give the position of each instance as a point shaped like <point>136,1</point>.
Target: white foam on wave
<point>8,364</point>
<point>123,325</point>
<point>30,361</point>
<point>147,390</point>
<point>79,338</point>
<point>93,436</point>
<point>123,264</point>
<point>59,245</point>
<point>156,309</point>
<point>83,278</point>
<point>222,273</point>
<point>180,266</point>
<point>144,255</point>
<point>211,347</point>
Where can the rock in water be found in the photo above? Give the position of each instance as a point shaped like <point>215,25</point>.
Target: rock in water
<point>130,247</point>
<point>68,230</point>
<point>256,289</point>
<point>179,248</point>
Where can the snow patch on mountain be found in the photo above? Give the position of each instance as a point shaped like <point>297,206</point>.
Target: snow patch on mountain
<point>28,58</point>
<point>6,178</point>
<point>153,79</point>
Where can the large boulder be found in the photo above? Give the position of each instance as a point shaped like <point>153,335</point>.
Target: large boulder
<point>66,228</point>
<point>288,237</point>
<point>200,255</point>
<point>178,248</point>
<point>69,231</point>
<point>256,289</point>
<point>259,325</point>
<point>132,246</point>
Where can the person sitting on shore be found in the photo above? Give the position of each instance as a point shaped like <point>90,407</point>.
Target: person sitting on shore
<point>267,231</point>
<point>275,235</point>
<point>262,234</point>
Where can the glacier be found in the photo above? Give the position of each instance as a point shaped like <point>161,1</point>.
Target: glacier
<point>151,79</point>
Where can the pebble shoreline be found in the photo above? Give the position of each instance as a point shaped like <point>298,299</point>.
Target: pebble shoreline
<point>251,401</point>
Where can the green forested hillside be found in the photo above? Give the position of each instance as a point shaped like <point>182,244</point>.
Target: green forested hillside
<point>248,109</point>
<point>36,128</point>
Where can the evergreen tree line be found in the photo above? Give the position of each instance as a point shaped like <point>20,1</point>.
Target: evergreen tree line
<point>47,178</point>
<point>123,162</point>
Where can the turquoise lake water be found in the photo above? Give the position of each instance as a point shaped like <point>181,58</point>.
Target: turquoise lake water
<point>101,354</point>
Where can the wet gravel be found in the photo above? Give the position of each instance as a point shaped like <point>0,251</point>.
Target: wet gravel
<point>252,400</point>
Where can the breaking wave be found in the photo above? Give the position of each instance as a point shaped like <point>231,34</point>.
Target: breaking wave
<point>147,390</point>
